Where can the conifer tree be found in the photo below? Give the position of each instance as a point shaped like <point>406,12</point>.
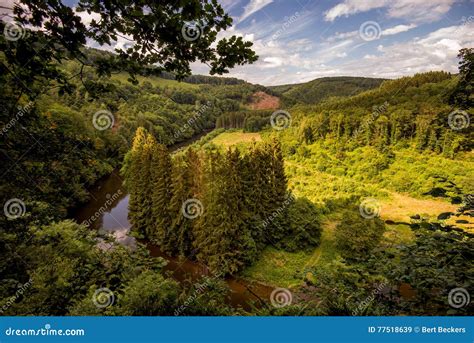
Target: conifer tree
<point>205,238</point>
<point>280,224</point>
<point>185,184</point>
<point>132,171</point>
<point>241,245</point>
<point>143,219</point>
<point>161,193</point>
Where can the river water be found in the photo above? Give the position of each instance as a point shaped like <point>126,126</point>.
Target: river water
<point>107,211</point>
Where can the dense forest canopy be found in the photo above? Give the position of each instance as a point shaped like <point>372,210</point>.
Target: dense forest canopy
<point>301,205</point>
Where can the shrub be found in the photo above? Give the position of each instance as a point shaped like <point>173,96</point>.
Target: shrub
<point>356,236</point>
<point>304,229</point>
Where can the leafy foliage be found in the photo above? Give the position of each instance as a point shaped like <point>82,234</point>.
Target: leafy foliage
<point>357,236</point>
<point>241,200</point>
<point>315,91</point>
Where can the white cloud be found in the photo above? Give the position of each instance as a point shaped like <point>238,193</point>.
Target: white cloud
<point>434,51</point>
<point>397,29</point>
<point>272,62</point>
<point>349,7</point>
<point>415,10</point>
<point>252,7</point>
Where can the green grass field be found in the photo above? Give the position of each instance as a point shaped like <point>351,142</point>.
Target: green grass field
<point>157,82</point>
<point>228,139</point>
<point>309,178</point>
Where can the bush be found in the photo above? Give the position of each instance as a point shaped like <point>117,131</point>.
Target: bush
<point>304,229</point>
<point>149,294</point>
<point>356,236</point>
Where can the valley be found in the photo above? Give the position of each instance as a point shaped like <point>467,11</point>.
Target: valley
<point>321,191</point>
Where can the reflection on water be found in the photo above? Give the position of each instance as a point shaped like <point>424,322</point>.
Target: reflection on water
<point>107,208</point>
<point>107,212</point>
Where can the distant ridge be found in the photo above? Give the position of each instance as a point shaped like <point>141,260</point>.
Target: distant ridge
<point>317,90</point>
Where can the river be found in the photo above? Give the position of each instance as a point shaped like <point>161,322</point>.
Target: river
<point>107,211</point>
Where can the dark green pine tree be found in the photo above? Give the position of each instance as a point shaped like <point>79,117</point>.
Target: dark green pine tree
<point>144,218</point>
<point>132,171</point>
<point>206,237</point>
<point>279,224</point>
<point>161,193</point>
<point>241,247</point>
<point>185,184</point>
<point>256,193</point>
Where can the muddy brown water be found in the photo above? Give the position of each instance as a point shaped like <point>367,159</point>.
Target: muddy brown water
<point>107,212</point>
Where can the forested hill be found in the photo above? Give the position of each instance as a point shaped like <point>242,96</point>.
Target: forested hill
<point>317,90</point>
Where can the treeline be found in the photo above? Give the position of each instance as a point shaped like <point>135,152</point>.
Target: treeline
<point>249,121</point>
<point>222,208</point>
<point>204,79</point>
<point>317,90</point>
<point>411,110</point>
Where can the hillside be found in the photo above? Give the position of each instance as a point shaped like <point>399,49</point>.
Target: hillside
<point>317,90</point>
<point>390,154</point>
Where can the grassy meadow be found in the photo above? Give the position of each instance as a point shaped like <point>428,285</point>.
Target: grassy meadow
<point>332,182</point>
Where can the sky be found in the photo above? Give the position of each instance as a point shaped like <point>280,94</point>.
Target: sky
<point>301,40</point>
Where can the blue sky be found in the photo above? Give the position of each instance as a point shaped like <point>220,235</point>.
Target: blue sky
<point>300,40</point>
